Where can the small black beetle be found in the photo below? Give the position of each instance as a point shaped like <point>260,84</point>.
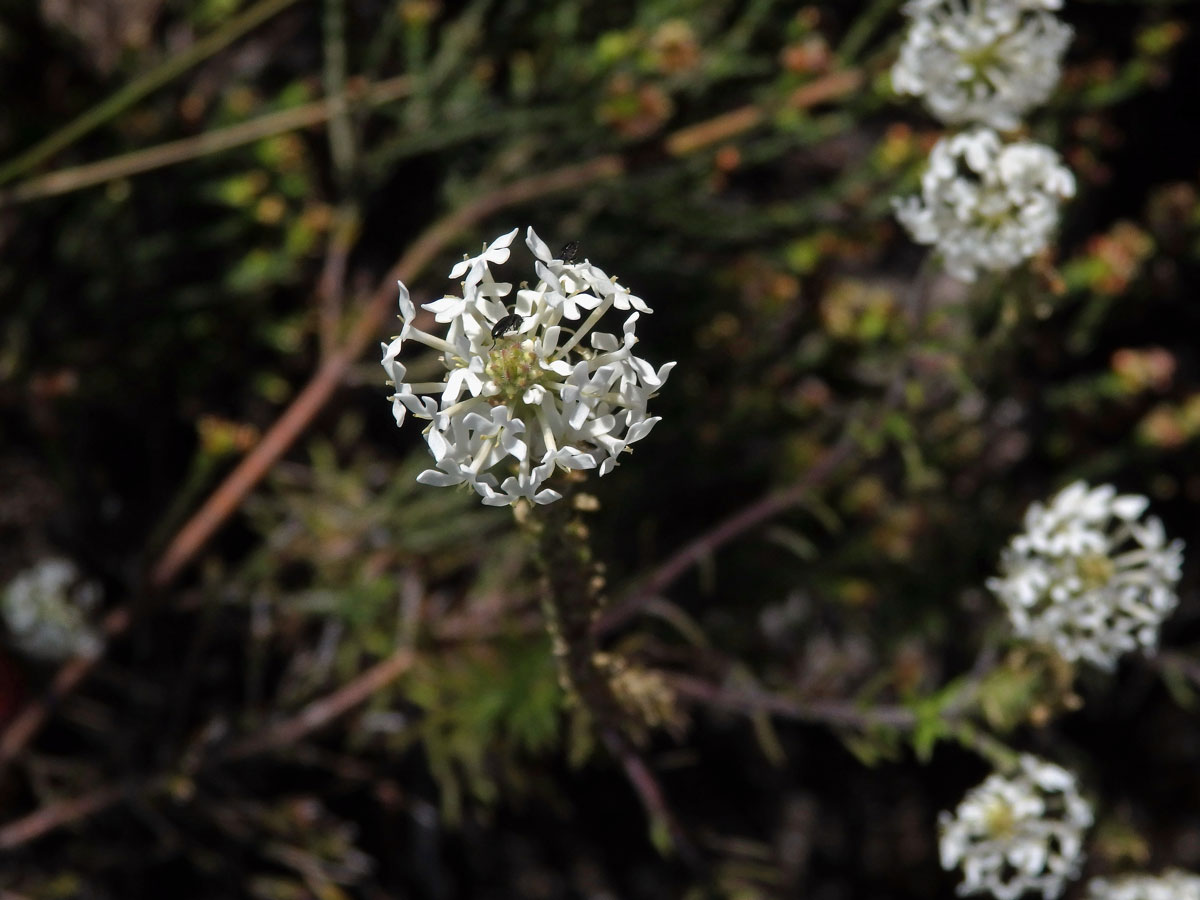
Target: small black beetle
<point>503,326</point>
<point>568,252</point>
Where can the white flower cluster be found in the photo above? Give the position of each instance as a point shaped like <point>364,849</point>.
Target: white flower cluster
<point>981,61</point>
<point>986,204</point>
<point>524,392</point>
<point>1171,885</point>
<point>45,610</point>
<point>1090,575</point>
<point>1019,834</point>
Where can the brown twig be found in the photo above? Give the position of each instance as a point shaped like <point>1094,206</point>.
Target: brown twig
<point>837,713</point>
<point>651,795</point>
<point>314,716</point>
<point>65,812</point>
<point>321,712</point>
<point>27,722</point>
<point>706,544</point>
<point>738,121</point>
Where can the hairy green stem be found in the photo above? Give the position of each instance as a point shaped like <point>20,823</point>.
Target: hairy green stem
<point>572,596</point>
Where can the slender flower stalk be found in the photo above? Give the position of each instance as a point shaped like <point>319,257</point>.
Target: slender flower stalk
<point>531,390</point>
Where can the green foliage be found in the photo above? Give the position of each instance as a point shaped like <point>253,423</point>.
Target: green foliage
<point>485,710</point>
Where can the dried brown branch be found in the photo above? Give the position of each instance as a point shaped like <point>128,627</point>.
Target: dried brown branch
<point>706,544</point>
<point>651,795</point>
<point>321,712</point>
<point>26,723</point>
<point>55,815</point>
<point>312,717</point>
<point>738,121</point>
<point>837,713</point>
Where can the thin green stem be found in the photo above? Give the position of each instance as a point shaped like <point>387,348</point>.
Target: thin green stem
<point>1002,757</point>
<point>342,147</point>
<point>862,29</point>
<point>168,70</point>
<point>186,149</point>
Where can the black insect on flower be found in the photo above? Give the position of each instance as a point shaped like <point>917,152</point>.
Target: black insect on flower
<point>568,252</point>
<point>508,323</point>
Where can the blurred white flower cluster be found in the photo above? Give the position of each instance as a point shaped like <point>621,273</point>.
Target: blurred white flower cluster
<point>45,609</point>
<point>986,204</point>
<point>1090,575</point>
<point>1013,835</point>
<point>530,390</point>
<point>981,61</point>
<point>1171,885</point>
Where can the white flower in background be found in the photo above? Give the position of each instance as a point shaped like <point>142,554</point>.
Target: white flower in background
<point>528,390</point>
<point>1171,885</point>
<point>45,610</point>
<point>986,204</point>
<point>1012,835</point>
<point>1090,575</point>
<point>981,61</point>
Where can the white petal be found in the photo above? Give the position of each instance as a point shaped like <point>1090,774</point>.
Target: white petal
<point>537,245</point>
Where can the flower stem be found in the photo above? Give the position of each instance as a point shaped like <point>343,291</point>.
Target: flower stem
<point>572,596</point>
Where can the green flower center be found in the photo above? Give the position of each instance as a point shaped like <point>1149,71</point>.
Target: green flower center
<point>1001,822</point>
<point>980,59</point>
<point>1094,570</point>
<point>515,370</point>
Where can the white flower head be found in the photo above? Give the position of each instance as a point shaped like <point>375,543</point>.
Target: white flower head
<point>1013,835</point>
<point>981,61</point>
<point>1090,575</point>
<point>986,204</point>
<point>528,389</point>
<point>1173,884</point>
<point>45,609</point>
